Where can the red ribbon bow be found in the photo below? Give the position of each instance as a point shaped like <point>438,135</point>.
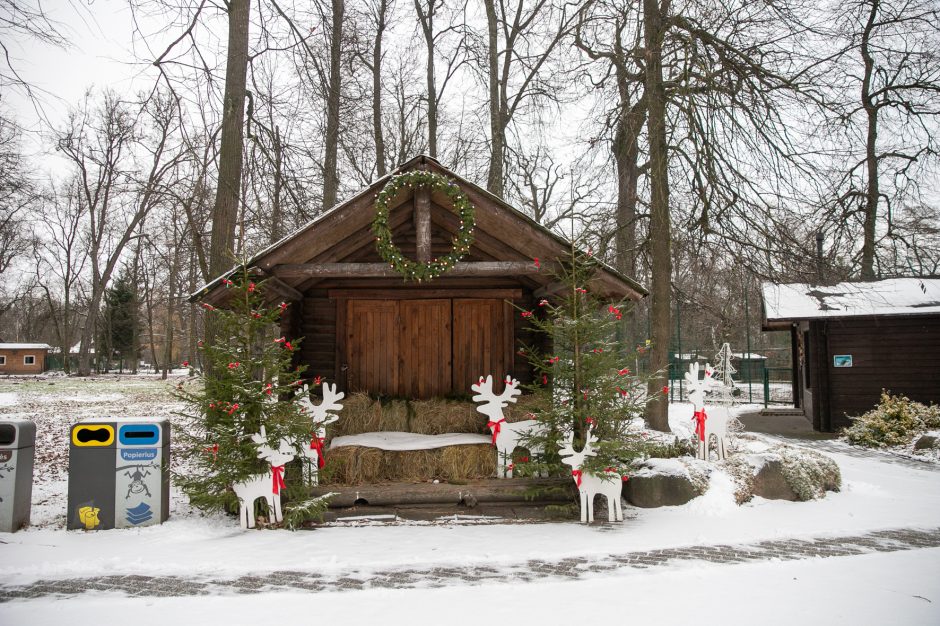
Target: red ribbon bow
<point>699,418</point>
<point>495,427</point>
<point>277,476</point>
<point>577,476</point>
<point>317,444</point>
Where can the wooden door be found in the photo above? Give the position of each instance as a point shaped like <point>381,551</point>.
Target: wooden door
<point>482,341</point>
<point>425,348</point>
<point>372,346</point>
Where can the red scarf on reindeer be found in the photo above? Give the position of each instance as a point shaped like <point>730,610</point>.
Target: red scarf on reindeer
<point>495,427</point>
<point>277,479</point>
<point>699,417</point>
<point>317,444</point>
<point>577,476</point>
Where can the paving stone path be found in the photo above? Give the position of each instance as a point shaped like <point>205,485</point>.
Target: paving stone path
<point>528,571</point>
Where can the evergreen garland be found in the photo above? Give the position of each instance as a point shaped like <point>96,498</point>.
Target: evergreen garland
<point>391,254</point>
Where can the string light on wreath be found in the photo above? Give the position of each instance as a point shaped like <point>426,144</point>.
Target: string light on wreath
<point>461,242</point>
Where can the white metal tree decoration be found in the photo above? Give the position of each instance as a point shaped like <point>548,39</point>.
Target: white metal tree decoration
<point>589,484</point>
<point>506,435</point>
<point>715,421</point>
<point>724,393</point>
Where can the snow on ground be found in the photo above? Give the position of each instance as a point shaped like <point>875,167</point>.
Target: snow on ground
<point>850,590</point>
<point>875,495</point>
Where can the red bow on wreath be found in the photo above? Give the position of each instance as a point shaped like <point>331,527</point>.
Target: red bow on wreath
<point>495,427</point>
<point>317,444</point>
<point>699,418</point>
<point>277,479</point>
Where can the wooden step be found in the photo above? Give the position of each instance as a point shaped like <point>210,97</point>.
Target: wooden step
<point>470,494</point>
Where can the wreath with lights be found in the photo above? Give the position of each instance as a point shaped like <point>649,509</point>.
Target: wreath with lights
<point>391,254</point>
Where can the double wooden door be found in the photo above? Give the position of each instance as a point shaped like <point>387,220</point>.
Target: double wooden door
<point>424,348</point>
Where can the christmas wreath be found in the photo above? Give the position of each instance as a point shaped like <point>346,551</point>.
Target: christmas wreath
<point>391,254</point>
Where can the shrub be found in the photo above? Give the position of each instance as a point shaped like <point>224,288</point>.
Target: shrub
<point>894,422</point>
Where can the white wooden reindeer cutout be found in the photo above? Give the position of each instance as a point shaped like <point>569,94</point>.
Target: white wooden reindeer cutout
<point>713,423</point>
<point>267,486</point>
<point>322,415</point>
<point>506,435</point>
<point>610,485</point>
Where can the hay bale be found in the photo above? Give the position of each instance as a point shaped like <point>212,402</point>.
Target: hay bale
<point>363,414</point>
<point>467,462</point>
<point>353,465</point>
<point>438,416</point>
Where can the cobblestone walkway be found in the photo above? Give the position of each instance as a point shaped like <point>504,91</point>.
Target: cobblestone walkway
<point>528,571</point>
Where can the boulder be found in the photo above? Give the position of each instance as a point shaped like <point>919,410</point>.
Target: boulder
<point>661,482</point>
<point>925,442</point>
<point>770,483</point>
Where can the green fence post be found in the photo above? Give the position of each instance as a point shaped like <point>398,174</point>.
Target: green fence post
<point>766,386</point>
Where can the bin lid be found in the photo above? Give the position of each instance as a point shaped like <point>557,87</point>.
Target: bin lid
<point>17,433</point>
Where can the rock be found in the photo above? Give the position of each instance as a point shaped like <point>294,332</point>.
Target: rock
<point>926,442</point>
<point>770,483</point>
<point>659,484</point>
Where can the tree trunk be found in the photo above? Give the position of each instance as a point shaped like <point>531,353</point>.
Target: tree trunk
<point>377,89</point>
<point>660,235</point>
<point>427,28</point>
<point>276,211</point>
<point>871,155</point>
<point>626,156</point>
<point>494,178</point>
<point>330,178</point>
<point>231,148</point>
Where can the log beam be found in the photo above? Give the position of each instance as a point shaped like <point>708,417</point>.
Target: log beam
<point>381,270</point>
<point>422,219</point>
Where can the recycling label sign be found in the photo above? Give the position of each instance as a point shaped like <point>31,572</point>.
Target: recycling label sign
<point>138,476</point>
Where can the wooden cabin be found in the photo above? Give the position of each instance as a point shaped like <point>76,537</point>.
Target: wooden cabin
<point>851,340</point>
<point>23,358</point>
<point>368,329</point>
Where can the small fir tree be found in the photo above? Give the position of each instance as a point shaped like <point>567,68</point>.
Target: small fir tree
<point>585,380</point>
<point>250,383</point>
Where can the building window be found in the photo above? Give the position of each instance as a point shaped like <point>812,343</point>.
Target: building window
<point>3,359</point>
<point>29,359</point>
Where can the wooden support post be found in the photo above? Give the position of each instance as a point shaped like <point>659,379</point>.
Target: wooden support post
<point>423,223</point>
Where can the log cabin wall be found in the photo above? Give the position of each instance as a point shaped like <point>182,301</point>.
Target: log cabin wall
<point>900,354</point>
<point>415,342</point>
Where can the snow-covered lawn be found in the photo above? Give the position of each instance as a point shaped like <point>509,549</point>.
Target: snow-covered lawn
<point>902,588</point>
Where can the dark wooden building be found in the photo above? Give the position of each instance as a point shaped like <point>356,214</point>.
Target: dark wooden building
<point>851,340</point>
<point>368,329</point>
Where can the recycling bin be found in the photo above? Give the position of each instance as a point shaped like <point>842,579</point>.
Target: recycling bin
<point>119,474</point>
<point>17,448</point>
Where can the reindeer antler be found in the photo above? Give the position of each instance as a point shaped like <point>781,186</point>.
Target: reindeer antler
<point>485,393</point>
<point>321,413</point>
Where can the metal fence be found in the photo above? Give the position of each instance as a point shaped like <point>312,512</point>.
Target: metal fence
<point>754,384</point>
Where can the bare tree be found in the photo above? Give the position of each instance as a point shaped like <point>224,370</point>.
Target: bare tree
<point>100,143</point>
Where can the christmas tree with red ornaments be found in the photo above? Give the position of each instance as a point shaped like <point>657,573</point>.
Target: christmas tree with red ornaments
<point>248,381</point>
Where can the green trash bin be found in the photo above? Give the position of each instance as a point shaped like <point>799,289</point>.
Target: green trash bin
<point>17,450</point>
<point>119,474</point>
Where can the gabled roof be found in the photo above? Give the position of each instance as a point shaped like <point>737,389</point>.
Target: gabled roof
<point>784,304</point>
<point>505,232</point>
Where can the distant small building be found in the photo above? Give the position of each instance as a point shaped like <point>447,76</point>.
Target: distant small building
<point>23,358</point>
<point>851,340</point>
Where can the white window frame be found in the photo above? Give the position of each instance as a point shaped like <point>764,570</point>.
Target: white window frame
<point>3,359</point>
<point>29,356</point>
